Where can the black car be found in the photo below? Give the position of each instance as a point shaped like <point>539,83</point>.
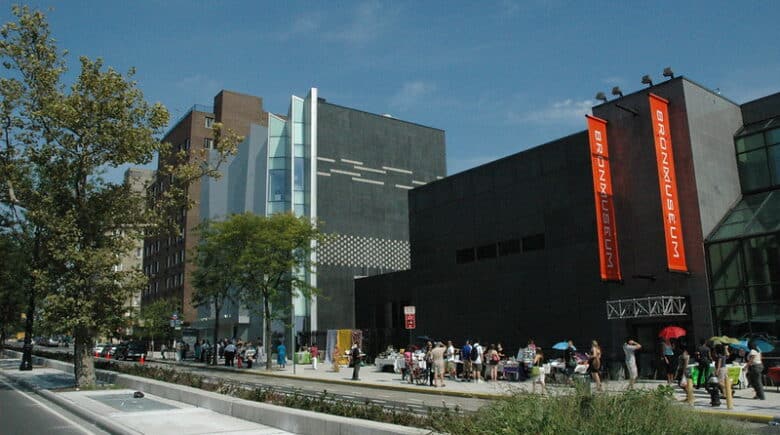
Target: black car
<point>130,350</point>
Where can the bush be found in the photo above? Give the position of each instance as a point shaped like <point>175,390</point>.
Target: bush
<point>631,412</point>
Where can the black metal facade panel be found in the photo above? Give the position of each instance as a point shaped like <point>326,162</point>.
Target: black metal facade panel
<point>367,165</point>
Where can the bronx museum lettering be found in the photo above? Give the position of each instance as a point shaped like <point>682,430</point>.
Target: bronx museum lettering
<point>609,260</point>
<point>675,248</point>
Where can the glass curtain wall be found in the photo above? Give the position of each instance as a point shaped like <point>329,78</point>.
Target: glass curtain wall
<point>743,252</point>
<point>289,163</point>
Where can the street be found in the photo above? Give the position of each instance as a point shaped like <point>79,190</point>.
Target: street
<point>22,412</point>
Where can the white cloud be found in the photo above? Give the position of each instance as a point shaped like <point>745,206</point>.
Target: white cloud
<point>306,26</point>
<point>411,94</point>
<point>369,21</point>
<point>566,111</point>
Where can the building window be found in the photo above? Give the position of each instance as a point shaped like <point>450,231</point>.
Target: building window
<point>509,247</point>
<point>209,122</point>
<point>485,252</point>
<point>278,184</point>
<point>533,243</point>
<point>208,143</point>
<point>758,160</point>
<point>464,256</point>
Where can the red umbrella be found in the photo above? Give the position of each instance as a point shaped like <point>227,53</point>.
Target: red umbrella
<point>672,332</point>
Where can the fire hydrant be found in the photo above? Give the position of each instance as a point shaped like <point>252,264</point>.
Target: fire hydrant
<point>713,387</point>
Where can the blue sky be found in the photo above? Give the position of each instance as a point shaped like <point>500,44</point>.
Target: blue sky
<point>498,77</point>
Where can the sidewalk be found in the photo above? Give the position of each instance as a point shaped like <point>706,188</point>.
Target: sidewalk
<point>745,407</point>
<point>116,411</point>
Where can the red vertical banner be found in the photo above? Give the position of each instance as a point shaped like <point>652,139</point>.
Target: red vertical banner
<point>667,183</point>
<point>609,259</point>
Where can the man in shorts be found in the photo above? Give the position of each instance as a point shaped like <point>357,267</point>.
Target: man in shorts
<point>449,354</point>
<point>465,356</point>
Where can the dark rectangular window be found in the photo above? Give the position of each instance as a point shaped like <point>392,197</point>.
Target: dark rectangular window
<point>464,256</point>
<point>509,247</point>
<point>486,251</point>
<point>533,243</point>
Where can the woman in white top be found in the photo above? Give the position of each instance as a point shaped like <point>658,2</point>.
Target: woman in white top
<point>755,369</point>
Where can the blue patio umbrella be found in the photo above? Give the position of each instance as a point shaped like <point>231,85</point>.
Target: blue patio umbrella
<point>763,346</point>
<point>563,345</point>
<point>742,345</point>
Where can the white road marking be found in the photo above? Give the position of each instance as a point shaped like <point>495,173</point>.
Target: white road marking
<point>44,406</point>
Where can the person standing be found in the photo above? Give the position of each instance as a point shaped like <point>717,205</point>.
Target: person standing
<point>355,354</point>
<point>315,353</point>
<point>630,348</point>
<point>755,369</point>
<point>538,372</point>
<point>704,358</point>
<point>163,349</point>
<point>492,358</point>
<point>229,353</point>
<point>429,362</point>
<point>281,355</point>
<point>437,355</point>
<point>570,360</point>
<point>477,354</point>
<point>667,360</point>
<point>594,363</point>
<point>465,356</point>
<point>449,355</point>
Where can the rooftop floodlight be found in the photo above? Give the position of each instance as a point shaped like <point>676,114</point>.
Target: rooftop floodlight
<point>601,97</point>
<point>668,72</point>
<point>616,91</point>
<point>646,80</point>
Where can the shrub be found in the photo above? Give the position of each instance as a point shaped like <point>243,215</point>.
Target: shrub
<point>631,412</point>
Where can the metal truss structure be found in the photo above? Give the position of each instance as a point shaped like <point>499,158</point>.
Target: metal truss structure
<point>653,306</point>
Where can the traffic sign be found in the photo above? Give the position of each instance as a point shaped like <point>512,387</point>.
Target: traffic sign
<point>410,322</point>
<point>409,309</point>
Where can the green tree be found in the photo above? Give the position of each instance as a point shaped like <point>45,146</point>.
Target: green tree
<point>215,278</point>
<point>264,259</point>
<point>14,281</point>
<point>155,319</point>
<point>58,141</point>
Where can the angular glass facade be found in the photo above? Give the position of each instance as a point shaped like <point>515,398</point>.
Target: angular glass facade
<point>744,250</point>
<point>758,156</point>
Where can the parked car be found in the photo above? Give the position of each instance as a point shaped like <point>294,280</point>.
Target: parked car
<point>98,349</point>
<point>108,349</point>
<point>130,350</point>
<point>51,342</point>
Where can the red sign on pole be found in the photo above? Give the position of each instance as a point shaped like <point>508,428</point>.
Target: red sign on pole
<point>409,319</point>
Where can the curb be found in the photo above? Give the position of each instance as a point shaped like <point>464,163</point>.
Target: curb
<point>486,396</point>
<point>88,416</point>
<point>756,418</point>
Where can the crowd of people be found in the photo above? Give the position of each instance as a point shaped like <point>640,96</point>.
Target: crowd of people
<point>473,362</point>
<point>232,352</point>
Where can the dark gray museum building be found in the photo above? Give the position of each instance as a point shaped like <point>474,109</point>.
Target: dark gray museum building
<point>510,250</point>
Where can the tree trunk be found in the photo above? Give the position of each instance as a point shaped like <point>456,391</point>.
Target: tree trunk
<point>215,354</point>
<point>267,338</point>
<point>28,322</point>
<point>28,332</point>
<point>83,363</point>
